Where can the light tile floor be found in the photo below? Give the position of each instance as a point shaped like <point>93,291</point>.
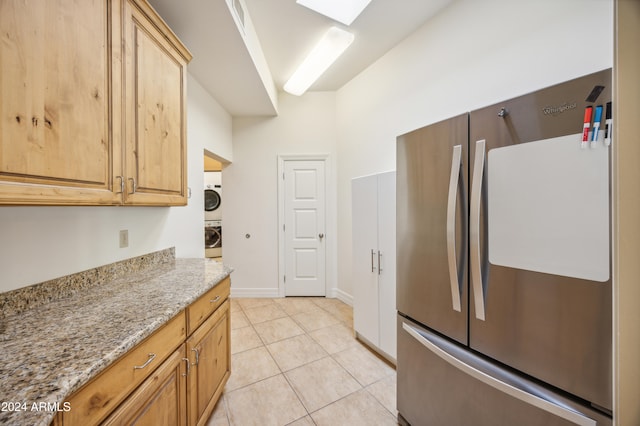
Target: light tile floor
<point>295,361</point>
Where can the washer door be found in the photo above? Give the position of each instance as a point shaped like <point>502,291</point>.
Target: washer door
<point>211,200</point>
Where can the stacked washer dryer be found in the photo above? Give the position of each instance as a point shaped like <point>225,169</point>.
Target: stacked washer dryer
<point>212,214</point>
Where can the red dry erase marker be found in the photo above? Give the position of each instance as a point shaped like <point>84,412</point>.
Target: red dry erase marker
<point>586,125</point>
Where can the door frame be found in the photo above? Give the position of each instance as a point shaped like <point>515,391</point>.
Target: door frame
<point>282,159</point>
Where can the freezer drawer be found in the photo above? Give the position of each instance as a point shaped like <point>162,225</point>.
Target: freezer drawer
<point>442,383</point>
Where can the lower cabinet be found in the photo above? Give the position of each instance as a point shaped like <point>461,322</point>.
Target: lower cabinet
<point>209,350</point>
<point>173,377</point>
<point>160,400</point>
<point>103,395</point>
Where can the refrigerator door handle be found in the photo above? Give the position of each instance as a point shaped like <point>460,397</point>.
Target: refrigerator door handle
<point>451,227</point>
<point>474,230</point>
<point>509,385</point>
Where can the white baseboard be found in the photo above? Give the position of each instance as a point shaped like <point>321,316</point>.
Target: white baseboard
<point>343,296</point>
<point>274,292</point>
<point>254,292</point>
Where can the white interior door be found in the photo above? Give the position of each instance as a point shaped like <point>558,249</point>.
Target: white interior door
<point>304,227</point>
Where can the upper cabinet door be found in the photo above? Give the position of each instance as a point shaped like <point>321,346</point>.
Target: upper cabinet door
<point>154,110</point>
<point>55,139</point>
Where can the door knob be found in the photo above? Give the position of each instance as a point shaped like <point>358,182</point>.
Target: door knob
<point>321,236</point>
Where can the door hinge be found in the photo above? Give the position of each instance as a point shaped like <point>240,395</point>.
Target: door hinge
<point>282,175</point>
<point>283,227</point>
<point>284,278</point>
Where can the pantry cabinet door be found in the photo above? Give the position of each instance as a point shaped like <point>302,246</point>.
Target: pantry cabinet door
<point>155,119</point>
<point>55,104</point>
<point>364,227</point>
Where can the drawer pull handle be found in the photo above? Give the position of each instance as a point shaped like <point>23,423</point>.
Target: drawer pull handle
<point>215,299</point>
<point>152,356</point>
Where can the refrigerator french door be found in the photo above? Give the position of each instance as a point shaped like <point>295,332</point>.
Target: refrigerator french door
<point>503,263</point>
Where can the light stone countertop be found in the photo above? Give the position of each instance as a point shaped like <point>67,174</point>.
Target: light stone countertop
<point>48,352</point>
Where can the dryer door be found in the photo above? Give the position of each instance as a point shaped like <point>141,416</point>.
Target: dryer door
<point>211,200</point>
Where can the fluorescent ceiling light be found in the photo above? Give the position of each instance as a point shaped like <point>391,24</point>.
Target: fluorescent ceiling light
<point>329,48</point>
<point>344,11</point>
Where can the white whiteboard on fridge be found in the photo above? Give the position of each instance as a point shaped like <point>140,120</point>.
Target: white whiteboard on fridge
<point>548,207</point>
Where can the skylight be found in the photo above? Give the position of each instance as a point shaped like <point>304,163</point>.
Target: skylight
<point>343,11</point>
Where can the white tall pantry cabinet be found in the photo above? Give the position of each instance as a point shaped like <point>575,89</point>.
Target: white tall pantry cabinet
<point>373,213</point>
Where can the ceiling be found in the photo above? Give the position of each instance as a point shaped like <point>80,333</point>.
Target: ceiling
<point>286,31</point>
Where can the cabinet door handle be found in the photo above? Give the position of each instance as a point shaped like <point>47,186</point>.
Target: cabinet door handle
<point>373,268</point>
<point>188,367</point>
<point>215,299</point>
<point>121,184</point>
<point>152,356</point>
<point>379,262</point>
<point>133,185</point>
<point>197,351</point>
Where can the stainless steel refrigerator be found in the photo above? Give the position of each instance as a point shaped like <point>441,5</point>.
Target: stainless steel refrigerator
<point>503,263</point>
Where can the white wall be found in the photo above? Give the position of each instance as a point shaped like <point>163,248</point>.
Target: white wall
<point>42,243</point>
<point>208,127</point>
<point>305,125</point>
<point>472,54</point>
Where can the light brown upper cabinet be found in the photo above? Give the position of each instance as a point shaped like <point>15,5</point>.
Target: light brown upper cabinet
<point>155,88</point>
<point>92,104</point>
<point>56,145</point>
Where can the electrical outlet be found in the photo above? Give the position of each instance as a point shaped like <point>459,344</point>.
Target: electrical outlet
<point>124,238</point>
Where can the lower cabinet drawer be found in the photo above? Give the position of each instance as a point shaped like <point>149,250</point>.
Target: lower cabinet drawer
<point>200,310</point>
<point>93,402</point>
<point>160,400</point>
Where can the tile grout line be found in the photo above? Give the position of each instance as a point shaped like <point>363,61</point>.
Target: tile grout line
<point>265,345</point>
<point>335,314</point>
<point>328,355</point>
<point>307,333</point>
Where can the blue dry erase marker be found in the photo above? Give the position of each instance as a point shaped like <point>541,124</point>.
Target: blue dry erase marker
<point>596,125</point>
